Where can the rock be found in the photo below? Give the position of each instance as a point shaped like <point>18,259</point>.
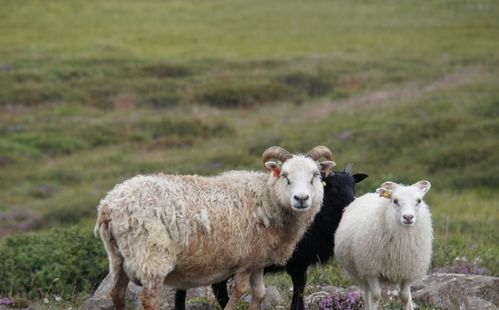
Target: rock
<point>446,291</point>
<point>272,298</point>
<point>457,291</point>
<point>442,290</point>
<point>101,301</point>
<point>199,305</point>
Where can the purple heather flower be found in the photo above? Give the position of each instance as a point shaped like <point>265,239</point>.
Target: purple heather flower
<point>6,301</point>
<point>341,301</point>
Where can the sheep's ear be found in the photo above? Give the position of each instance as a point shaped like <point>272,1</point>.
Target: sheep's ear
<point>358,177</point>
<point>274,167</point>
<point>386,189</point>
<point>423,185</point>
<point>326,167</point>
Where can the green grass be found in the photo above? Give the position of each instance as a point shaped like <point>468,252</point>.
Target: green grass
<point>92,93</point>
<point>237,29</point>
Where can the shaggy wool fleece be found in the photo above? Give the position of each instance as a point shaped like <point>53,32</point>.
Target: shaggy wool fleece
<point>194,230</point>
<point>371,243</point>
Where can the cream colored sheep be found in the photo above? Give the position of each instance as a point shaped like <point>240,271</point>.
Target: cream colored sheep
<point>188,231</point>
<point>386,237</point>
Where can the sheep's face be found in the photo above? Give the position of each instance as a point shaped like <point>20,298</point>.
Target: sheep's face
<point>405,200</point>
<point>340,188</point>
<point>297,182</point>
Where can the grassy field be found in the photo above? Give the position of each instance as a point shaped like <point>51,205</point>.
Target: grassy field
<point>92,93</point>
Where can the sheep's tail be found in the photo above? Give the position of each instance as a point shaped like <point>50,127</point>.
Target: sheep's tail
<point>103,229</point>
<point>103,220</point>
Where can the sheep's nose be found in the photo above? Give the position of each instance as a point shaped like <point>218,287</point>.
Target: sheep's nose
<point>408,218</point>
<point>301,197</point>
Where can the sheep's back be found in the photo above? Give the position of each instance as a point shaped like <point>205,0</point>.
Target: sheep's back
<point>163,220</point>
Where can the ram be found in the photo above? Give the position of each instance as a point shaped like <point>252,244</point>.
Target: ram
<point>317,244</point>
<point>386,237</point>
<point>188,231</point>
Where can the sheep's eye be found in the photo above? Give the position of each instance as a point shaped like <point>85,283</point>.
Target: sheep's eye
<point>316,175</point>
<point>418,201</point>
<point>396,201</point>
<point>285,177</point>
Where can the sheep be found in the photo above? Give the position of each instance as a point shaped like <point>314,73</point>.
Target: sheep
<point>317,244</point>
<point>188,231</point>
<point>386,237</point>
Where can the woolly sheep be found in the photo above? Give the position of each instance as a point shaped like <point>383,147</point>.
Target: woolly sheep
<point>188,231</point>
<point>317,244</point>
<point>386,237</point>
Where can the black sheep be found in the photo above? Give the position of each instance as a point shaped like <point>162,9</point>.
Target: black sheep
<point>317,245</point>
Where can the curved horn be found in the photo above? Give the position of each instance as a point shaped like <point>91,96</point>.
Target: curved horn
<point>320,151</point>
<point>276,152</point>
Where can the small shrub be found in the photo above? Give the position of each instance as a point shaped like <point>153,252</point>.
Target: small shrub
<point>13,152</point>
<point>50,143</point>
<point>311,85</point>
<point>63,261</point>
<point>187,128</point>
<point>99,135</point>
<point>32,94</point>
<point>160,101</point>
<point>240,94</point>
<point>164,71</point>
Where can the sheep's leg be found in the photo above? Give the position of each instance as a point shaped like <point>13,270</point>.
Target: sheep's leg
<point>180,299</point>
<point>220,291</point>
<point>257,289</point>
<point>299,278</point>
<point>150,294</point>
<point>119,285</point>
<point>373,292</point>
<point>241,286</point>
<point>405,295</point>
<point>367,297</point>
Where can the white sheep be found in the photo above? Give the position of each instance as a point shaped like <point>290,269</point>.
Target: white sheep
<point>188,231</point>
<point>386,237</point>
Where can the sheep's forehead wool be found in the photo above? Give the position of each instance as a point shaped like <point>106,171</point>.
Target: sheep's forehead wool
<point>407,193</point>
<point>300,164</point>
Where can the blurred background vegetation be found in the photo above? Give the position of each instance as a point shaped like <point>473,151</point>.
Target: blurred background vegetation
<point>94,92</point>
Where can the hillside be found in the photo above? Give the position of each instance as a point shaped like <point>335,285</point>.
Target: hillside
<point>94,93</point>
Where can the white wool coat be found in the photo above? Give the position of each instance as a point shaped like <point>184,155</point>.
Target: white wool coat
<point>370,242</point>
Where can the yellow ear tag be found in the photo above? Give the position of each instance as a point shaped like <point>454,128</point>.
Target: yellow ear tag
<point>324,183</point>
<point>386,195</point>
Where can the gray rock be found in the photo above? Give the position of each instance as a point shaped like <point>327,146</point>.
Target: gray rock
<point>101,301</point>
<point>457,291</point>
<point>446,291</point>
<point>272,298</point>
<point>199,305</point>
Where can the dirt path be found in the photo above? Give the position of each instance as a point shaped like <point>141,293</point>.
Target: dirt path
<point>382,98</point>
